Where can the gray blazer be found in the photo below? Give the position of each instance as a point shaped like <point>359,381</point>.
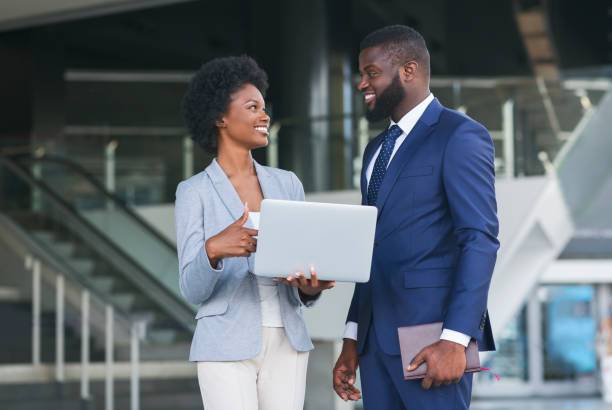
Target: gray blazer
<point>229,317</point>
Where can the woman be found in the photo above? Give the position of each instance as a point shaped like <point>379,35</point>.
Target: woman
<point>251,342</point>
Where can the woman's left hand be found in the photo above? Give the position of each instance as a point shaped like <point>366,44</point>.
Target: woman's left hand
<point>310,286</point>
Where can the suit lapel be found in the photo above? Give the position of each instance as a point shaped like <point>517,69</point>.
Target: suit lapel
<point>225,190</point>
<point>228,194</point>
<point>413,141</point>
<point>269,187</point>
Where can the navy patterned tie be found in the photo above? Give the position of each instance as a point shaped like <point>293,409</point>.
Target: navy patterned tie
<point>380,166</point>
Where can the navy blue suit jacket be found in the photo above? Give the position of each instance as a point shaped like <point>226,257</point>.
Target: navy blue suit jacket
<point>436,236</point>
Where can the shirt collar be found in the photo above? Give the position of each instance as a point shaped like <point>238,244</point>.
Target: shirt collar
<point>407,122</point>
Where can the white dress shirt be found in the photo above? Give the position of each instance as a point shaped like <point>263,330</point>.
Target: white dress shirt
<point>268,290</point>
<point>406,123</point>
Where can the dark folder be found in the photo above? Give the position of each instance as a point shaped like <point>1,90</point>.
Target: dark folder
<point>414,338</point>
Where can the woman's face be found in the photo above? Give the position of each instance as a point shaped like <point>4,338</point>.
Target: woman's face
<point>245,123</point>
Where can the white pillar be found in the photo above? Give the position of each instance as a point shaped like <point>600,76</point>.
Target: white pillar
<point>137,334</point>
<point>508,130</point>
<point>363,137</point>
<point>36,296</point>
<point>272,149</point>
<point>109,166</point>
<point>59,329</point>
<point>36,197</point>
<point>534,341</point>
<point>108,381</point>
<point>85,344</point>
<point>187,157</point>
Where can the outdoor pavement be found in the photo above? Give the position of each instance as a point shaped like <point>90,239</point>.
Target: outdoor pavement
<point>542,404</point>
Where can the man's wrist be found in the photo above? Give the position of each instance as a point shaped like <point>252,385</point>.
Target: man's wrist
<point>453,345</point>
<point>349,344</point>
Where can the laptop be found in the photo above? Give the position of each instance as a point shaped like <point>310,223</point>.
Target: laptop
<point>337,240</point>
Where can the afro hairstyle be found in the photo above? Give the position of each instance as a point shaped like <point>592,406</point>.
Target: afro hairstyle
<point>209,95</point>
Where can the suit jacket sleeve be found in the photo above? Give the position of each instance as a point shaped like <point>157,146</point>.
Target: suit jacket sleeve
<point>353,313</point>
<point>197,278</point>
<point>469,181</point>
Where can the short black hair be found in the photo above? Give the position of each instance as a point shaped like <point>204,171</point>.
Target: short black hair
<point>402,44</point>
<point>209,95</point>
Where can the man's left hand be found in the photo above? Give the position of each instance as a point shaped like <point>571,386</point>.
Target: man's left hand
<point>445,363</point>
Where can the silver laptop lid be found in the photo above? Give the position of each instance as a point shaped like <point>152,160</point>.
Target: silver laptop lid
<point>337,240</point>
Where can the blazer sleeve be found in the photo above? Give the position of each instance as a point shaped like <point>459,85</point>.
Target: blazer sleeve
<point>197,278</point>
<point>353,313</point>
<point>297,194</point>
<point>469,182</point>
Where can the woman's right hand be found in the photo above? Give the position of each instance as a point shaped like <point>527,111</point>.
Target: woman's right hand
<point>235,240</point>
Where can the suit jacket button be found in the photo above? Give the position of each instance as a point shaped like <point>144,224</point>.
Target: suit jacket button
<point>375,243</point>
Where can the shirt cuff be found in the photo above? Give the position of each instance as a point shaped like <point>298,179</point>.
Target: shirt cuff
<point>454,336</point>
<point>350,330</point>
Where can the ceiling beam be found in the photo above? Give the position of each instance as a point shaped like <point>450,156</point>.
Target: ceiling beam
<point>19,14</point>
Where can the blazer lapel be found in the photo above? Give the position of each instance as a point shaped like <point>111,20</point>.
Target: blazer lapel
<point>413,141</point>
<point>225,190</point>
<point>268,184</point>
<point>228,194</point>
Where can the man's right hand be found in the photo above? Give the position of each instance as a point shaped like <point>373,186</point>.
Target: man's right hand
<point>344,375</point>
<point>235,240</point>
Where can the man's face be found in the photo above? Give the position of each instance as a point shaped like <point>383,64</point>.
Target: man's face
<point>380,84</point>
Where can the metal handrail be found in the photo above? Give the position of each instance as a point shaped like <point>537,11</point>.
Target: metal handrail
<point>177,307</point>
<point>46,257</point>
<point>31,254</point>
<point>118,202</point>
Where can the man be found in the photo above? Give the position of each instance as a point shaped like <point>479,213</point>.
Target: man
<point>431,176</point>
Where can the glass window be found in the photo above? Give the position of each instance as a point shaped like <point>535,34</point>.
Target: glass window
<point>568,332</point>
<point>510,359</point>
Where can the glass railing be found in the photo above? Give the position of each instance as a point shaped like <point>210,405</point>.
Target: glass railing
<point>529,122</point>
<point>94,234</point>
<point>121,226</point>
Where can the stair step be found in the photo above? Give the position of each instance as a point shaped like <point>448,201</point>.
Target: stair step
<point>103,283</point>
<point>125,301</point>
<point>63,404</point>
<point>9,294</point>
<point>162,336</point>
<point>64,249</point>
<point>174,393</point>
<point>83,266</point>
<point>175,401</point>
<point>44,236</point>
<point>156,352</point>
<point>146,316</point>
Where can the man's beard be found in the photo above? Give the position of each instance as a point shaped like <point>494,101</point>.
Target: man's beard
<point>387,101</point>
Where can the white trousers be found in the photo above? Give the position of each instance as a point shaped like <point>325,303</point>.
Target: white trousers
<point>274,380</point>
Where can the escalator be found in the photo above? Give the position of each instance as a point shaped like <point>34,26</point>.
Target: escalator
<point>103,243</point>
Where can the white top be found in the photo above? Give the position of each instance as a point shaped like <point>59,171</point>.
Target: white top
<point>268,290</point>
<point>406,123</point>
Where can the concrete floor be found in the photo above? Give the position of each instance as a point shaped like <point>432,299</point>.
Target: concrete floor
<point>541,404</point>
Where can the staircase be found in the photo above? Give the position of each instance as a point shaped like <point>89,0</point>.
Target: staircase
<point>176,394</point>
<point>537,214</point>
